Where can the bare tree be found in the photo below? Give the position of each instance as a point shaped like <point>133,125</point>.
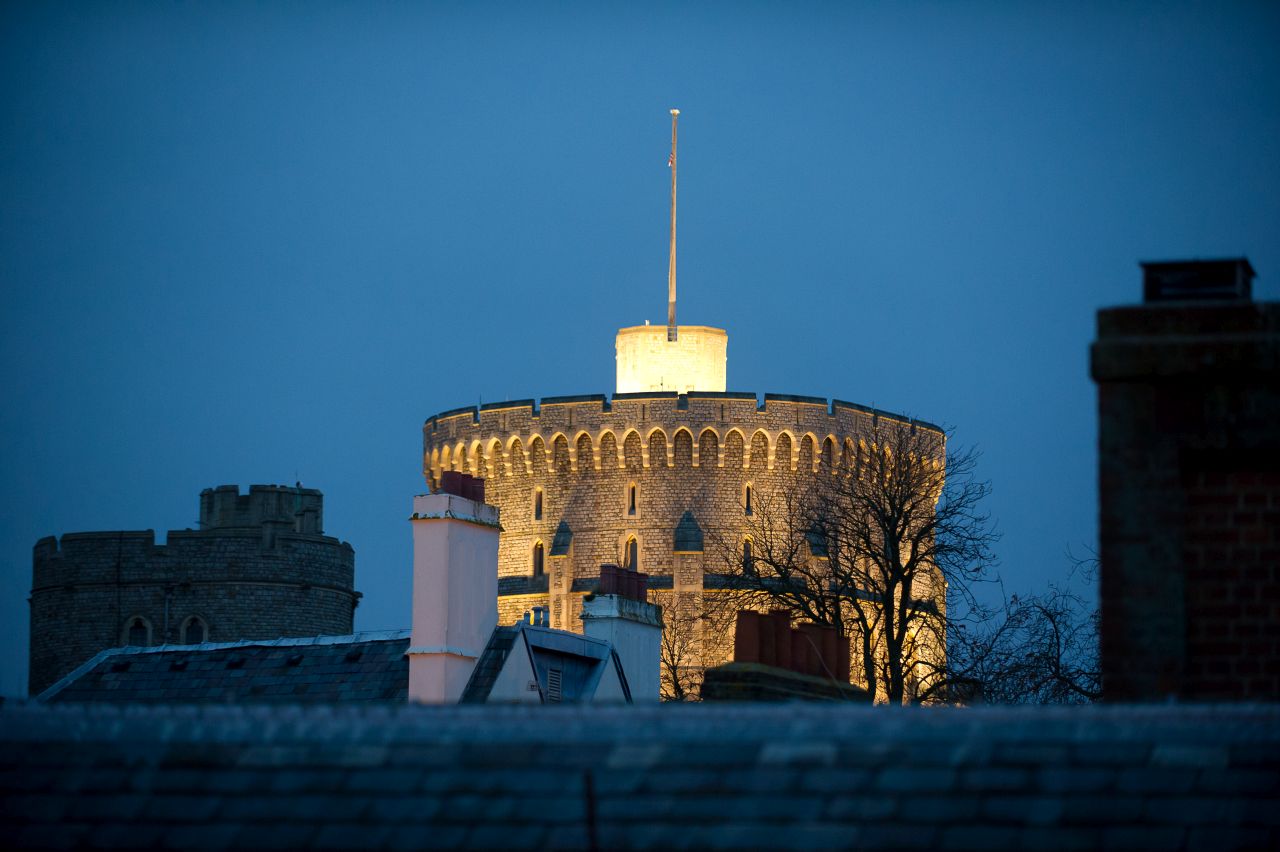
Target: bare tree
<point>875,550</point>
<point>1038,649</point>
<point>679,660</point>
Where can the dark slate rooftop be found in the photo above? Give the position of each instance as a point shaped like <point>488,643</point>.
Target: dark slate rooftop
<point>362,667</point>
<point>673,776</point>
<point>492,659</point>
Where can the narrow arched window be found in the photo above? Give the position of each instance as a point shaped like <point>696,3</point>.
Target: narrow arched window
<point>748,560</point>
<point>631,558</point>
<point>537,504</point>
<point>746,500</point>
<point>138,632</point>
<point>631,499</point>
<point>194,631</point>
<point>537,559</point>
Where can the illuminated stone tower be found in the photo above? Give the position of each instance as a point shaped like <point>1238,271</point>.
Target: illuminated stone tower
<point>661,477</point>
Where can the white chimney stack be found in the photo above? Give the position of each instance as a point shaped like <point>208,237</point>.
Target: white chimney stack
<point>455,589</point>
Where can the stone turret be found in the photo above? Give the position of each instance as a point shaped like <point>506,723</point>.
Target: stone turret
<point>259,567</point>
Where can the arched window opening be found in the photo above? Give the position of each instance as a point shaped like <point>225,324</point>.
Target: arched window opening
<point>137,632</point>
<point>746,500</point>
<point>748,560</point>
<point>631,556</point>
<point>194,631</point>
<point>537,559</point>
<point>631,499</point>
<point>537,504</point>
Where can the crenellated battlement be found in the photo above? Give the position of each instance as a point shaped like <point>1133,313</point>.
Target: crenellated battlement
<point>258,567</point>
<point>297,507</point>
<point>509,438</point>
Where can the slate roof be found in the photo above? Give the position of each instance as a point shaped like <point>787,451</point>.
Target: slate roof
<point>490,664</point>
<point>779,775</point>
<point>688,535</point>
<point>563,540</point>
<point>581,662</point>
<point>362,667</point>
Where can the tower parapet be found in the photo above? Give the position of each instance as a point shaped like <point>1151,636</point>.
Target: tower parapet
<point>587,480</point>
<point>259,567</point>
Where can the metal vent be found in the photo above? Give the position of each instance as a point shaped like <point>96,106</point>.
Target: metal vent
<point>553,686</point>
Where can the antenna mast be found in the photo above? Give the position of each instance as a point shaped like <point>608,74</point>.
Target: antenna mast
<point>671,268</point>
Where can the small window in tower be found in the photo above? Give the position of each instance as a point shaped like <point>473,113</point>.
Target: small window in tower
<point>631,557</point>
<point>746,500</point>
<point>631,499</point>
<point>537,559</point>
<point>138,633</point>
<point>537,504</point>
<point>748,560</point>
<point>194,631</point>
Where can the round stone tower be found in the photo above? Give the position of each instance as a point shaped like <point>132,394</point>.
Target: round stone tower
<point>259,567</point>
<point>661,481</point>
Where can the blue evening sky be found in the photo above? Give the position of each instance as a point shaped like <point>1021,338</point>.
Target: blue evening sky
<point>247,243</point>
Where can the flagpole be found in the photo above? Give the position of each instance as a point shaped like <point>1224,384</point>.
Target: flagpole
<point>671,268</point>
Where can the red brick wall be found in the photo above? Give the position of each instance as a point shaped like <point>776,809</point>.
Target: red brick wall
<point>1189,500</point>
<point>1231,553</point>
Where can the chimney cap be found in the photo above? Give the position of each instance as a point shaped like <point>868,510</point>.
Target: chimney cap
<point>1227,279</point>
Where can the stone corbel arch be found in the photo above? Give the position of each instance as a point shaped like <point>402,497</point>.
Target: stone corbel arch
<point>789,463</point>
<point>593,461</point>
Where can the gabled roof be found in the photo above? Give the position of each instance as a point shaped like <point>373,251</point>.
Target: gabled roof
<point>563,539</point>
<point>529,663</point>
<point>688,536</point>
<point>357,668</point>
<point>491,661</point>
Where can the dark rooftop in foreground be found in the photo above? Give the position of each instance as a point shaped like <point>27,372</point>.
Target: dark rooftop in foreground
<point>714,776</point>
<point>362,667</point>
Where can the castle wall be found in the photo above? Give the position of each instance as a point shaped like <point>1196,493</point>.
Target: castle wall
<point>254,575</point>
<point>694,453</point>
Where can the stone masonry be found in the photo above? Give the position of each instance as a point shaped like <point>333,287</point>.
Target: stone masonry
<point>690,453</point>
<point>259,567</point>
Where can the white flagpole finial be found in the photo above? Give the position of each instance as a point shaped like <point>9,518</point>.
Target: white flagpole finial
<point>671,269</point>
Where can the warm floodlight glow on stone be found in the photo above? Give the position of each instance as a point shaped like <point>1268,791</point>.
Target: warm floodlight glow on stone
<point>695,361</point>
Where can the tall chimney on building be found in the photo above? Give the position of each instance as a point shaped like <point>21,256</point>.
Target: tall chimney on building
<point>620,614</point>
<point>455,587</point>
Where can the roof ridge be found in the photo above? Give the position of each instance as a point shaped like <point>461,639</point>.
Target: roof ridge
<point>283,642</point>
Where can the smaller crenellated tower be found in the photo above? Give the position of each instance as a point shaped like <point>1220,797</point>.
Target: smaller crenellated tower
<point>259,567</point>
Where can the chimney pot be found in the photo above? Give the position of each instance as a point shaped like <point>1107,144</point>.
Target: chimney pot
<point>1199,280</point>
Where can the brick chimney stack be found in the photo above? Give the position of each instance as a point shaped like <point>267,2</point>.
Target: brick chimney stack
<point>1189,486</point>
<point>455,587</point>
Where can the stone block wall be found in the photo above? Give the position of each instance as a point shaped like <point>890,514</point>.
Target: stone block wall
<point>694,453</point>
<point>243,582</point>
<point>1189,481</point>
<point>695,361</point>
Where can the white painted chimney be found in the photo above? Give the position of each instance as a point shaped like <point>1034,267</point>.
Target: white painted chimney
<point>455,590</point>
<point>634,629</point>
